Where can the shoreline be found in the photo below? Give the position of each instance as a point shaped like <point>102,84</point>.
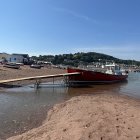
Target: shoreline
<point>25,71</point>
<point>102,116</point>
<point>99,116</point>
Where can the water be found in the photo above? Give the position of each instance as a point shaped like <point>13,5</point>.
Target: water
<point>24,108</point>
<point>132,88</point>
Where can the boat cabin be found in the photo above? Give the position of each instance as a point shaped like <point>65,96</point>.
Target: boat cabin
<point>113,69</point>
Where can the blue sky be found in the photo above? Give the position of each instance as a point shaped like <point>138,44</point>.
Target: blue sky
<point>68,26</point>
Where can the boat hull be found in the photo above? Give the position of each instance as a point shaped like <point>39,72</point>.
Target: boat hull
<point>87,76</point>
<point>13,66</point>
<point>36,66</point>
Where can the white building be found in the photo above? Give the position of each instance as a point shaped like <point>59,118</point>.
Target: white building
<point>18,58</point>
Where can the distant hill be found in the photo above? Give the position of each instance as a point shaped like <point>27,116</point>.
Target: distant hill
<point>83,58</point>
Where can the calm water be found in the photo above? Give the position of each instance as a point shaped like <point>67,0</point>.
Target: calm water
<point>24,108</point>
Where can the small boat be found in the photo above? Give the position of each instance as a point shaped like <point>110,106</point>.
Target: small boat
<point>37,66</point>
<point>111,75</point>
<point>11,65</point>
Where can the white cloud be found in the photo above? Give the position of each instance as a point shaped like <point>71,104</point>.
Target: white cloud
<point>86,18</point>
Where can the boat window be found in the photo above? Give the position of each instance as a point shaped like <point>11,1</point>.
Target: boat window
<point>117,68</point>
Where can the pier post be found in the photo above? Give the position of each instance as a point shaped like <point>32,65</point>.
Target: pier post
<point>66,80</point>
<point>37,83</point>
<point>53,80</point>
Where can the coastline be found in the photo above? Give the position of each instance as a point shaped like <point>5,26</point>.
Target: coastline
<point>98,116</point>
<point>35,118</point>
<point>102,116</point>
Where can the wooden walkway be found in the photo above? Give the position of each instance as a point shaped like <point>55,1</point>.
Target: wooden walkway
<point>38,77</point>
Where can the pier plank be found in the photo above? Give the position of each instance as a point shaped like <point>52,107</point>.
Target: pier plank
<point>38,77</point>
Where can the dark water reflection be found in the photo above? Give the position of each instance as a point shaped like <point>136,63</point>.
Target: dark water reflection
<point>24,108</point>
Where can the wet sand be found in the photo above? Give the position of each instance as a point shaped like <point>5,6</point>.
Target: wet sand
<point>95,117</point>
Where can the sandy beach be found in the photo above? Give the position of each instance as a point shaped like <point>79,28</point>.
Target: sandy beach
<point>96,117</point>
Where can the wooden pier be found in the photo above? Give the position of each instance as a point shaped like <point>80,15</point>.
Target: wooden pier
<point>38,78</point>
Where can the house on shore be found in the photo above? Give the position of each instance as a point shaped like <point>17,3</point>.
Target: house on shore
<point>18,58</point>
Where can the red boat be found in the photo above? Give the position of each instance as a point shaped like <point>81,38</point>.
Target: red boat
<point>111,75</point>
